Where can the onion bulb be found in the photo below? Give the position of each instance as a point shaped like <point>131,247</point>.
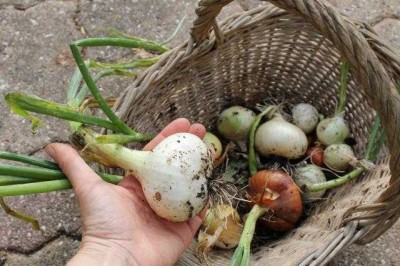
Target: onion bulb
<point>305,116</point>
<point>234,123</point>
<point>221,228</point>
<point>276,190</point>
<point>309,175</point>
<point>214,143</point>
<point>276,199</point>
<point>316,154</point>
<point>339,157</point>
<point>173,175</point>
<point>281,138</point>
<point>333,130</point>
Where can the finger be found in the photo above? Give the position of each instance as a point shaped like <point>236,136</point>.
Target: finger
<point>195,222</point>
<point>73,166</point>
<point>177,126</point>
<point>198,130</point>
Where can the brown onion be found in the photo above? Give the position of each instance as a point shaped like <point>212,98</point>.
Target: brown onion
<point>316,154</point>
<point>276,190</point>
<point>276,203</point>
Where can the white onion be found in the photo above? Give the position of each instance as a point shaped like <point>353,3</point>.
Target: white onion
<point>173,175</point>
<point>305,116</point>
<point>339,156</point>
<point>309,175</point>
<point>234,123</point>
<point>333,130</point>
<point>281,138</point>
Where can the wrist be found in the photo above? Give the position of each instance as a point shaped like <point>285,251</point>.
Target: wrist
<point>100,254</point>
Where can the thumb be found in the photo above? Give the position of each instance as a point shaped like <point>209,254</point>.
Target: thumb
<point>81,176</point>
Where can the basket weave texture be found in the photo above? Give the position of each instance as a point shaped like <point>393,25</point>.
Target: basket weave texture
<point>291,53</point>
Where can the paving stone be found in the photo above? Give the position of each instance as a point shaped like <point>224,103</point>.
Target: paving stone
<point>389,29</point>
<point>383,251</point>
<point>370,11</point>
<point>56,211</point>
<point>19,4</point>
<point>57,252</point>
<point>393,8</point>
<point>30,43</point>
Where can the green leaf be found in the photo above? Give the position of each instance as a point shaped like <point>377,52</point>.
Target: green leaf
<point>24,217</point>
<point>120,139</point>
<point>22,103</point>
<point>12,101</point>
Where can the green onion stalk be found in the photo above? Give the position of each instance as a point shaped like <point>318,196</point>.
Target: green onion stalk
<point>41,176</point>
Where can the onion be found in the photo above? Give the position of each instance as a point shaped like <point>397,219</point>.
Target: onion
<point>333,130</point>
<point>276,199</point>
<point>316,154</point>
<point>214,143</point>
<point>275,190</point>
<point>339,157</point>
<point>221,227</point>
<point>309,175</point>
<point>173,175</point>
<point>305,116</point>
<point>281,138</point>
<point>234,123</point>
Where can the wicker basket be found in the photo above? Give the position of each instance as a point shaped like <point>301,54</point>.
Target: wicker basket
<point>292,53</point>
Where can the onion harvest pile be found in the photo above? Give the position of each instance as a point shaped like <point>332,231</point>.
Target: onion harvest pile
<point>279,161</point>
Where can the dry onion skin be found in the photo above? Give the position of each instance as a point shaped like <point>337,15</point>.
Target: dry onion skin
<point>276,199</point>
<point>221,227</point>
<point>316,154</point>
<point>276,190</point>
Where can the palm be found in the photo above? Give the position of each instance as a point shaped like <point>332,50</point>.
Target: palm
<point>131,224</point>
<point>119,217</point>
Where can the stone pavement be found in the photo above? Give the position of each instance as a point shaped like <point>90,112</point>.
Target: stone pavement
<point>34,58</point>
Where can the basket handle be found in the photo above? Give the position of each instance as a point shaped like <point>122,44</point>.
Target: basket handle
<point>365,66</point>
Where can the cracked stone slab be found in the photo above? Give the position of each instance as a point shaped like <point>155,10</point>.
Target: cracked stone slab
<point>19,4</point>
<point>389,29</point>
<point>394,8</point>
<point>31,41</point>
<point>383,251</point>
<point>370,11</point>
<point>56,252</point>
<point>56,211</point>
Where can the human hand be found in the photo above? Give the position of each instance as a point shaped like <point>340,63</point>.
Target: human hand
<point>119,227</point>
